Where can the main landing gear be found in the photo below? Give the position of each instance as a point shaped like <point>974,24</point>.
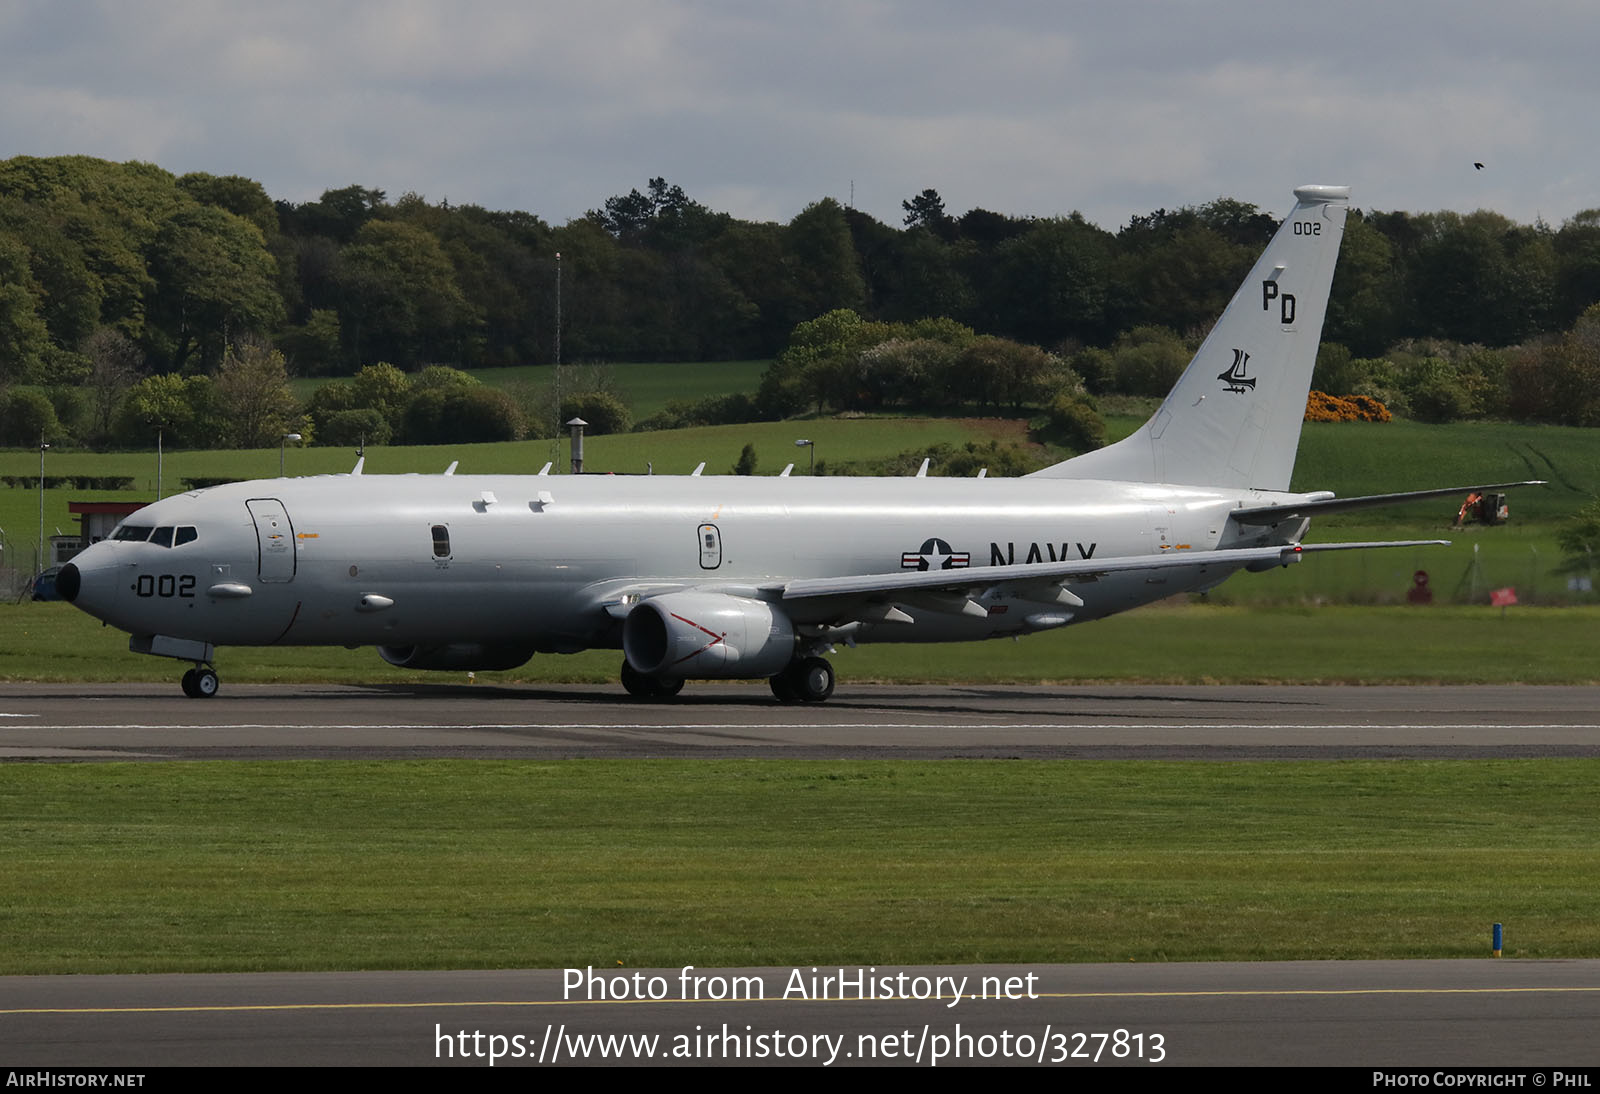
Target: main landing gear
<point>201,682</point>
<point>805,680</point>
<point>641,686</point>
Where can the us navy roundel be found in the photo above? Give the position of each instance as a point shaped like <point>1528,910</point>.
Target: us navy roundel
<point>935,554</point>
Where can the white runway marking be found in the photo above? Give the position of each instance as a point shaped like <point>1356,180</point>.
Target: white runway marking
<point>1130,724</point>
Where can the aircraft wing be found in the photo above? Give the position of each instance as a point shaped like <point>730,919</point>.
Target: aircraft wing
<point>1060,573</point>
<point>1272,514</point>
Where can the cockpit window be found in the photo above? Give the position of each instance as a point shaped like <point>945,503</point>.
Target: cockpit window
<point>132,532</point>
<point>184,535</point>
<point>162,537</point>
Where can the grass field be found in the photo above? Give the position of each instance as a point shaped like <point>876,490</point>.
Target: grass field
<point>646,386</point>
<point>627,864</point>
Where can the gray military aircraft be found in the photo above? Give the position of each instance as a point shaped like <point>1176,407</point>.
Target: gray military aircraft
<point>729,576</point>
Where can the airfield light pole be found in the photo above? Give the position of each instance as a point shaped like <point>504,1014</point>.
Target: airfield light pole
<point>811,451</point>
<point>39,565</point>
<point>556,443</point>
<point>159,431</point>
<point>287,437</point>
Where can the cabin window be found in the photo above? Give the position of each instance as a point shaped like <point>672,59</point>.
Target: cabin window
<point>441,541</point>
<point>184,535</point>
<point>162,537</point>
<point>132,533</point>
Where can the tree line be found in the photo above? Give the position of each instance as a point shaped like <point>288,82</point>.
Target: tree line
<point>115,273</point>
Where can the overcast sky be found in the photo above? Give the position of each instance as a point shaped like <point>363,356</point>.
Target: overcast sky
<point>757,109</point>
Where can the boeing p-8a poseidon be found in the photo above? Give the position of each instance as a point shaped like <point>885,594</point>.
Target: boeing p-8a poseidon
<point>730,576</point>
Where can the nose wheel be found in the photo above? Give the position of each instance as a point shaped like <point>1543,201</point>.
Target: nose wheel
<point>200,682</point>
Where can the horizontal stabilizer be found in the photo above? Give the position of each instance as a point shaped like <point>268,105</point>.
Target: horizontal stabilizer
<point>1308,548</point>
<point>1272,514</point>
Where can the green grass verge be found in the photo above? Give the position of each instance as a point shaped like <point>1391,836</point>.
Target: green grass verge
<point>646,385</point>
<point>1168,643</point>
<point>459,864</point>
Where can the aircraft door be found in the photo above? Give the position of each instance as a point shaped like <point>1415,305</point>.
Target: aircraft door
<point>274,538</point>
<point>710,547</point>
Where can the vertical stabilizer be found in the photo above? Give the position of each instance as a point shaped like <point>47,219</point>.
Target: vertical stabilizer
<point>1233,419</point>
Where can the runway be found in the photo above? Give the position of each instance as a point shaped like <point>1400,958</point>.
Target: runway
<point>1451,1014</point>
<point>45,722</point>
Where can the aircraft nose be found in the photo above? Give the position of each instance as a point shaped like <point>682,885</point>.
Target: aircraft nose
<point>68,582</point>
<point>89,582</point>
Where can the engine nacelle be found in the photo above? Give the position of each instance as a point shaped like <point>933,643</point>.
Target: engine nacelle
<point>707,635</point>
<point>457,656</point>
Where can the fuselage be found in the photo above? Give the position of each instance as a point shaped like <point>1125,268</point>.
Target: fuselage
<point>537,560</point>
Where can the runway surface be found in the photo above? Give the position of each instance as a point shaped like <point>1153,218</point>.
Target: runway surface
<point>154,722</point>
<point>1453,1014</point>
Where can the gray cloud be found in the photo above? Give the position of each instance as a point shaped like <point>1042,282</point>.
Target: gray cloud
<point>759,109</point>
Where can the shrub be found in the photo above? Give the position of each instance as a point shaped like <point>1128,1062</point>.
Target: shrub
<point>604,412</point>
<point>464,415</point>
<point>1149,361</point>
<point>479,415</point>
<point>1322,407</point>
<point>1073,421</point>
<point>352,427</point>
<point>25,415</point>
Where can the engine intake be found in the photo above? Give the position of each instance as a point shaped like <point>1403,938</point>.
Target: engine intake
<point>707,635</point>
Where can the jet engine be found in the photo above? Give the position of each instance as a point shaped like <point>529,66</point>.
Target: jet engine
<point>707,635</point>
<point>457,656</point>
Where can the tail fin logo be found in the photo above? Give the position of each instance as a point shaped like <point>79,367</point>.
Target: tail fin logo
<point>1236,378</point>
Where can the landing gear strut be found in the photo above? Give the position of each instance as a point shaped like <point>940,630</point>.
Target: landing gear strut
<point>641,686</point>
<point>805,680</point>
<point>201,682</point>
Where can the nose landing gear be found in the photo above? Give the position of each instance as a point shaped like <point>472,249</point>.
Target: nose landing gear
<point>201,682</point>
